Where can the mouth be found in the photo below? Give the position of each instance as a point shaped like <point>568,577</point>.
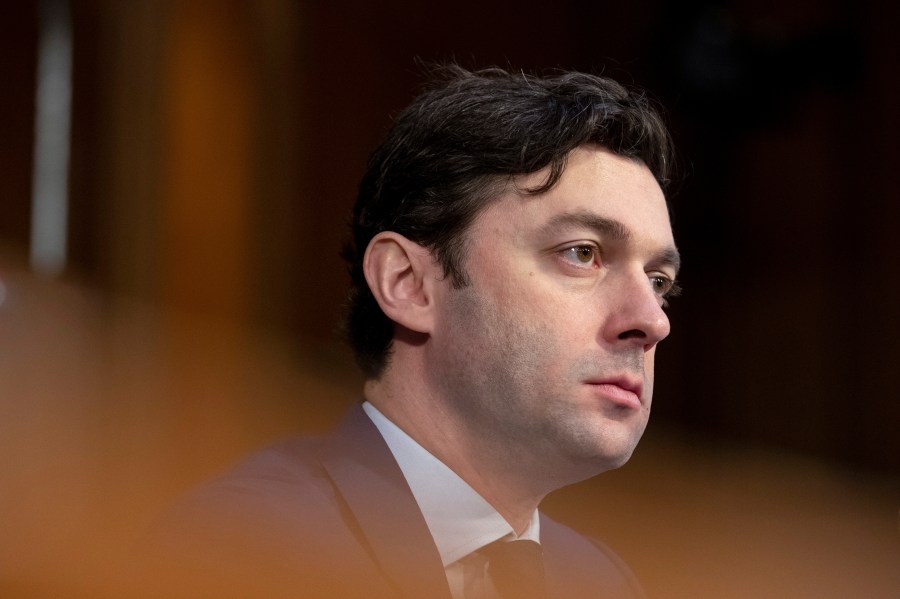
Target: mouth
<point>623,391</point>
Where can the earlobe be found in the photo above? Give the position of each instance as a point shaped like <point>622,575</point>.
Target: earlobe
<point>399,273</point>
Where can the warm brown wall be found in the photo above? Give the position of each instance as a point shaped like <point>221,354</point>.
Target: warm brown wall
<point>18,64</point>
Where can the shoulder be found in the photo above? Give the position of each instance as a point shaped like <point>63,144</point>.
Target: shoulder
<point>273,519</point>
<point>582,567</point>
<point>276,495</point>
<point>270,481</point>
<point>270,475</point>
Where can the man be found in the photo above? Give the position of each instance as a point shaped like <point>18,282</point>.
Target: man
<point>510,260</point>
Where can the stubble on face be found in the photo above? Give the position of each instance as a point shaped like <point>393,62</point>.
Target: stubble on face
<point>517,382</point>
<point>527,359</point>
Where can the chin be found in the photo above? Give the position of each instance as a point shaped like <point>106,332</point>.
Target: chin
<point>620,460</point>
<point>597,460</point>
<point>615,452</point>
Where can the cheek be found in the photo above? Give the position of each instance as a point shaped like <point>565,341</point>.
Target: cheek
<point>649,360</point>
<point>531,314</point>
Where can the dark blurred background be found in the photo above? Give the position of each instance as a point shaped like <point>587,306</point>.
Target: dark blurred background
<point>216,146</point>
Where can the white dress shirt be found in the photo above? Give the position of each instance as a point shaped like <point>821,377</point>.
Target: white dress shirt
<point>460,520</point>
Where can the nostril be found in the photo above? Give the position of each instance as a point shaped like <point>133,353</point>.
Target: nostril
<point>633,334</point>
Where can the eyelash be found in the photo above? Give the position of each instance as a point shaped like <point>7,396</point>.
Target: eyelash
<point>671,289</point>
<point>574,250</point>
<point>664,287</point>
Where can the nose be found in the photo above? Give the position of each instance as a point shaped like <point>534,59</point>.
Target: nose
<point>636,316</point>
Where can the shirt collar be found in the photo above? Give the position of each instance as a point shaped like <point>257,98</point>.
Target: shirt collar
<point>460,520</point>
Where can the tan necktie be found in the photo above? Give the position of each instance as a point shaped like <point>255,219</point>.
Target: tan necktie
<point>516,569</point>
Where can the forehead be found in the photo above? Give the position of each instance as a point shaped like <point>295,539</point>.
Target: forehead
<point>595,183</point>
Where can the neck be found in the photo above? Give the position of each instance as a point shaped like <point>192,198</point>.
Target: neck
<point>496,473</point>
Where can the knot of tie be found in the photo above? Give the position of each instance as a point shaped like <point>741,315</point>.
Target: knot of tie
<point>516,569</point>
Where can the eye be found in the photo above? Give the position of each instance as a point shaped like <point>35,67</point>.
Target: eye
<point>664,287</point>
<point>581,255</point>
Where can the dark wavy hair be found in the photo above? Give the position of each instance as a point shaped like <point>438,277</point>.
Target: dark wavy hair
<point>458,145</point>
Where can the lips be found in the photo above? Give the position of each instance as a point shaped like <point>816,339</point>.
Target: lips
<point>624,391</point>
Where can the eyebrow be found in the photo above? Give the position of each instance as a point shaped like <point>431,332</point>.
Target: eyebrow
<point>669,257</point>
<point>610,228</point>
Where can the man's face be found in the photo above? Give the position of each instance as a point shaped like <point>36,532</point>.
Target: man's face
<point>548,353</point>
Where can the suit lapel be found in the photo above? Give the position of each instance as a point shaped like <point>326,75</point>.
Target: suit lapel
<point>577,568</point>
<point>382,507</point>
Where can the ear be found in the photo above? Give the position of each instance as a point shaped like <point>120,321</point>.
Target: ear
<point>401,275</point>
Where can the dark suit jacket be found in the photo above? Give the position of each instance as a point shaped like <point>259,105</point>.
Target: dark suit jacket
<point>333,517</point>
